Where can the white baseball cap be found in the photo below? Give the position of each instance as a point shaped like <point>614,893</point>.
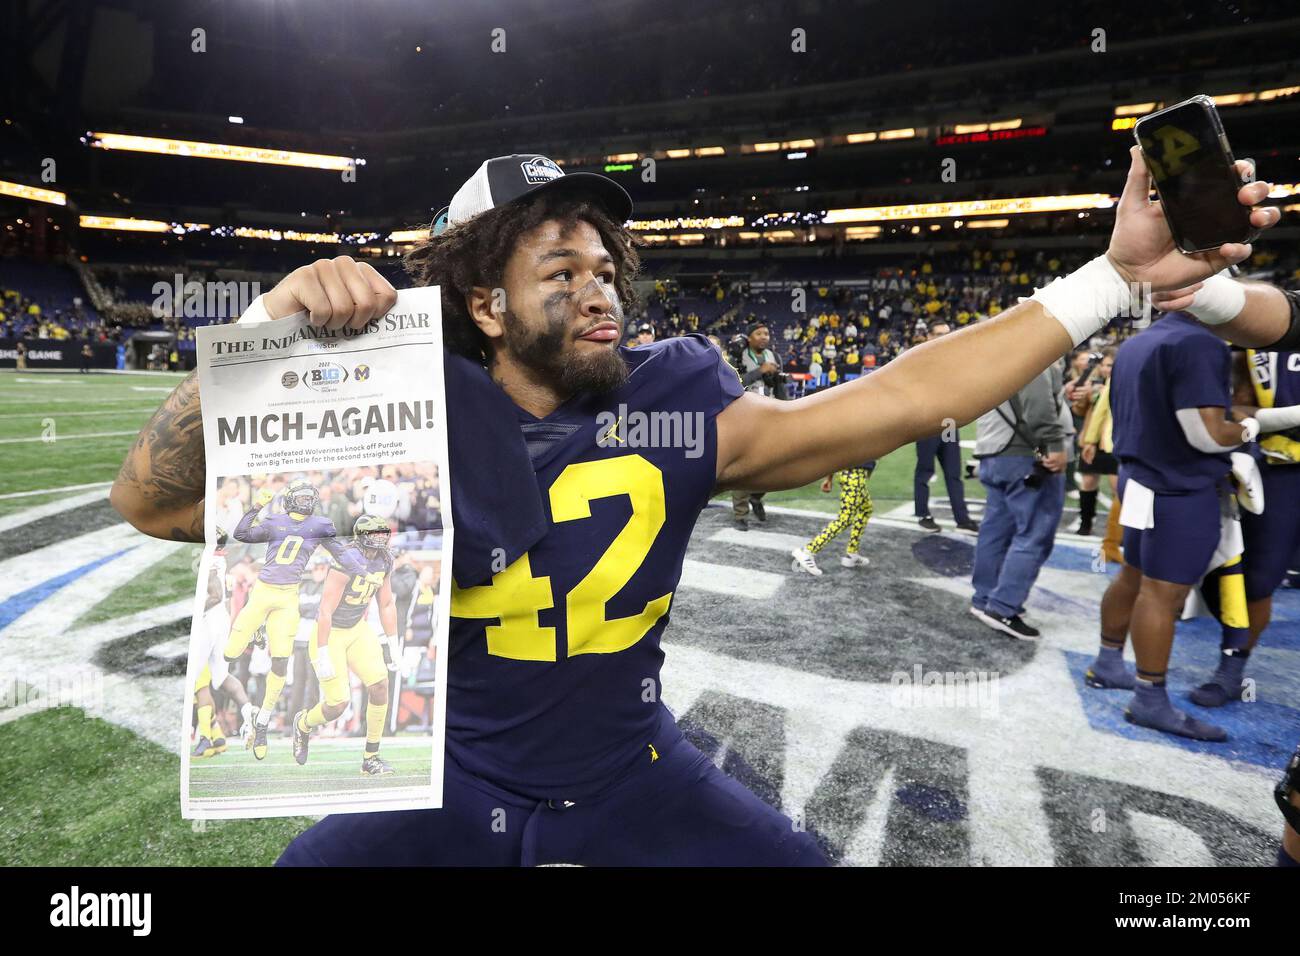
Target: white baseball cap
<point>505,179</point>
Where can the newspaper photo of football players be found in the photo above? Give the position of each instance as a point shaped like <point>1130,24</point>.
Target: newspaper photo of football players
<point>313,665</point>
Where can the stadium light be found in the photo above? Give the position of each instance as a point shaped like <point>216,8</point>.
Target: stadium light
<point>241,154</point>
<point>971,207</point>
<point>33,193</point>
<point>139,225</point>
<point>1137,109</point>
<point>408,235</point>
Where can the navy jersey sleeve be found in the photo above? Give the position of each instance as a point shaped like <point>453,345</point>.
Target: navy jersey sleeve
<point>706,372</point>
<point>1201,368</point>
<point>345,555</point>
<point>249,533</point>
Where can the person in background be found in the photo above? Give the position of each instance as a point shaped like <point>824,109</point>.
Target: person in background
<point>758,374</point>
<point>855,511</point>
<point>1092,402</point>
<point>1020,446</point>
<point>1170,397</point>
<point>949,455</point>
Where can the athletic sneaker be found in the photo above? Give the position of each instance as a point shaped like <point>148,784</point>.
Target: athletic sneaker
<point>742,524</point>
<point>1015,625</point>
<point>854,561</point>
<point>248,730</point>
<point>804,561</point>
<point>970,526</point>
<point>928,523</point>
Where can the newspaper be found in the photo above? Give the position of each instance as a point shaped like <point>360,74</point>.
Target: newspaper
<point>318,649</point>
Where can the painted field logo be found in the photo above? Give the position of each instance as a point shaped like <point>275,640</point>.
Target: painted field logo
<point>325,377</point>
<point>289,379</point>
<point>361,373</point>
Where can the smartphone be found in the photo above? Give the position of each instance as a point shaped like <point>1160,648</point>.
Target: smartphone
<point>1191,164</point>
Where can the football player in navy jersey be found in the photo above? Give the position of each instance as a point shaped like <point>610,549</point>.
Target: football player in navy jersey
<point>291,538</point>
<point>1170,397</point>
<point>559,748</point>
<point>345,642</point>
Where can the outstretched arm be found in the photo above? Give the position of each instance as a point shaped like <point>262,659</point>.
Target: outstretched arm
<point>346,554</point>
<point>159,488</point>
<point>765,444</point>
<point>768,445</point>
<point>1249,314</point>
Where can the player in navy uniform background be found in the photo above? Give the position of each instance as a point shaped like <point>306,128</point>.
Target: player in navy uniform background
<point>1271,538</point>
<point>1248,313</point>
<point>345,642</point>
<point>559,748</point>
<point>291,537</point>
<point>1170,397</point>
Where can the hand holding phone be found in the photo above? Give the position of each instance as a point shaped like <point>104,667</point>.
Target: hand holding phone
<point>1187,154</point>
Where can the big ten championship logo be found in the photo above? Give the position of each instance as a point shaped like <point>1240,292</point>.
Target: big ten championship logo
<point>325,377</point>
<point>539,169</point>
<point>361,373</point>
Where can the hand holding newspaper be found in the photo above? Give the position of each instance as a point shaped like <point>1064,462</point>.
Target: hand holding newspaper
<point>327,492</point>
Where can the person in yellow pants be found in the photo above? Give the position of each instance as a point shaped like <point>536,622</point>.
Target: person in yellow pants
<point>346,643</point>
<point>855,511</point>
<point>291,536</point>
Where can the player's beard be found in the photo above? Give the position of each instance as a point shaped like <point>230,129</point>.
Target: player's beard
<point>553,355</point>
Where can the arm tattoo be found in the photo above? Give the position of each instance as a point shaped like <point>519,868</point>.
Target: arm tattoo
<point>166,468</point>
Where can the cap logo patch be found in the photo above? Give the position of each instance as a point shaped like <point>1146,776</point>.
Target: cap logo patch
<point>539,169</point>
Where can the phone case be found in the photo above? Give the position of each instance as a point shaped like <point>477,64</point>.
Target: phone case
<point>1207,105</point>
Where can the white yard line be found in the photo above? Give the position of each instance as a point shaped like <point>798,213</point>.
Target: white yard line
<point>59,438</point>
<point>54,491</point>
<point>46,413</point>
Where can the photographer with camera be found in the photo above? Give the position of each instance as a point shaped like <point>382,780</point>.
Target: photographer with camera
<point>1020,446</point>
<point>760,373</point>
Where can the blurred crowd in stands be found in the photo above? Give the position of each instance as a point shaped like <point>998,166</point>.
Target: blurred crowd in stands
<point>25,317</point>
<point>823,331</point>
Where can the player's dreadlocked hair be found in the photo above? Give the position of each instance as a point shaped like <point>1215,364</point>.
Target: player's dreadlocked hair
<point>475,253</point>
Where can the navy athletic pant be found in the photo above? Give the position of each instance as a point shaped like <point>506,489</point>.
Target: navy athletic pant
<point>676,810</point>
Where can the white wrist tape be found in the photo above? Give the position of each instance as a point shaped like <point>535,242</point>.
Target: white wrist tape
<point>1250,429</point>
<point>1219,300</point>
<point>1278,419</point>
<point>256,312</point>
<point>1085,300</point>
